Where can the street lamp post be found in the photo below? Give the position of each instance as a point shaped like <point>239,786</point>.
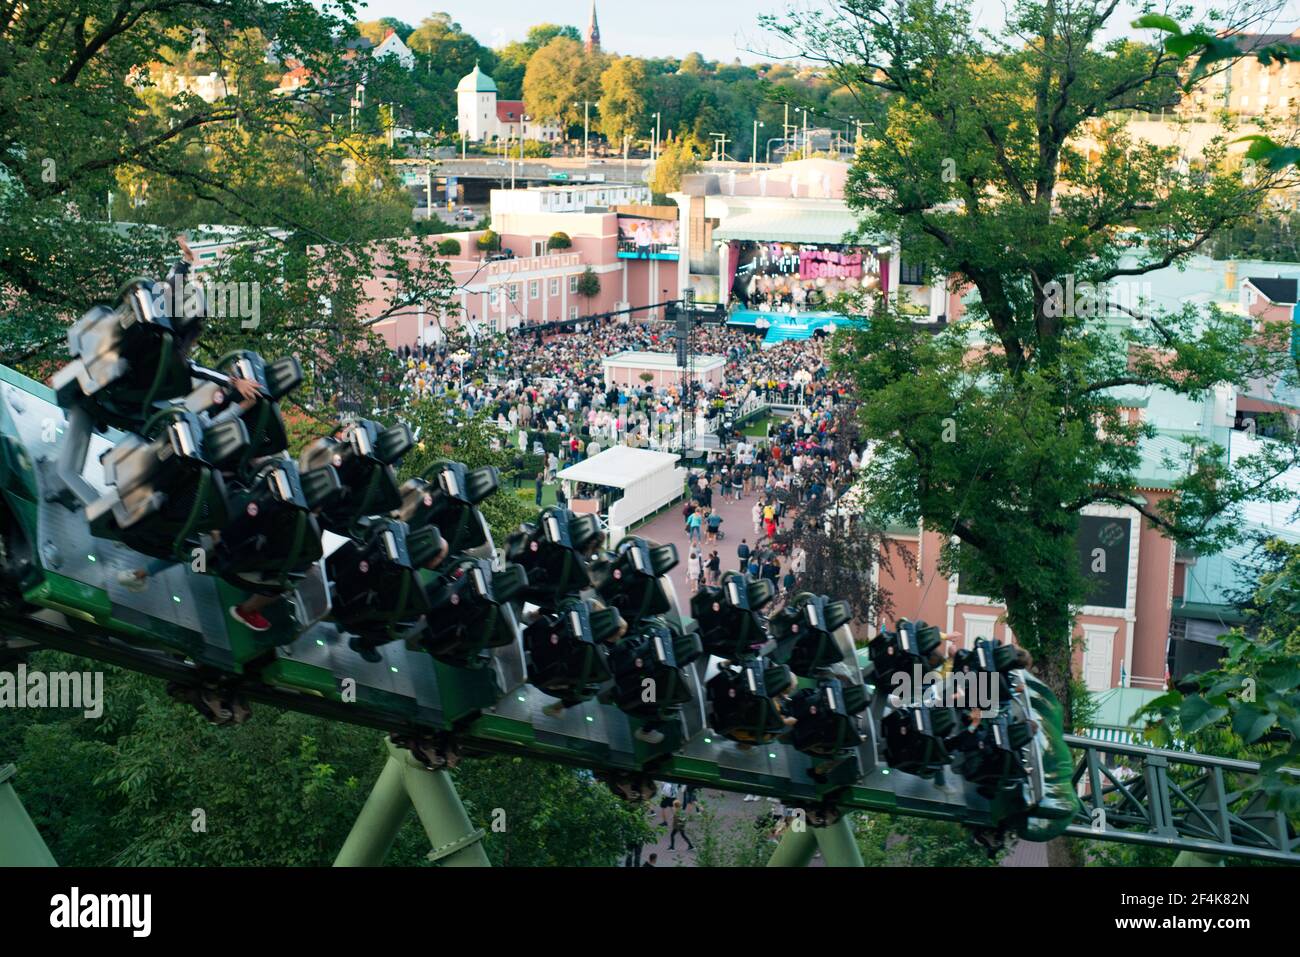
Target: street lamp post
<point>586,129</point>
<point>753,155</point>
<point>654,142</point>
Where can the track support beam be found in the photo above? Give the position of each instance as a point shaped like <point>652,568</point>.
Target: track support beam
<point>403,783</point>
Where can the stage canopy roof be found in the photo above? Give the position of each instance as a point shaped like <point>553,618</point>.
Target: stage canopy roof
<point>825,226</point>
<point>619,467</point>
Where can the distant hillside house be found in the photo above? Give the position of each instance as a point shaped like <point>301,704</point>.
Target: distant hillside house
<point>1269,299</point>
<point>481,117</point>
<point>392,45</point>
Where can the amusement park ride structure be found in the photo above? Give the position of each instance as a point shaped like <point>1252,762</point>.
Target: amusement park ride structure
<point>389,605</point>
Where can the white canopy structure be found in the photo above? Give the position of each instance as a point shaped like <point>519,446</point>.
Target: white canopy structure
<point>649,480</point>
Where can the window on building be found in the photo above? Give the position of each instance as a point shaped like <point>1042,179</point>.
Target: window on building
<point>911,274</point>
<point>555,287</point>
<point>534,289</point>
<point>539,247</point>
<point>573,285</point>
<point>573,312</point>
<point>513,290</point>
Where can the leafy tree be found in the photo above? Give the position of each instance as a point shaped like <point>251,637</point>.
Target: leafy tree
<point>622,103</point>
<point>489,241</point>
<point>889,841</point>
<point>449,247</point>
<point>678,158</point>
<point>540,814</point>
<point>974,171</point>
<point>559,241</point>
<point>559,76</point>
<point>377,30</point>
<point>82,115</point>
<point>588,285</point>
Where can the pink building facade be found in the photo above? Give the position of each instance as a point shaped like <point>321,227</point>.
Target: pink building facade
<point>1121,639</point>
<point>537,286</point>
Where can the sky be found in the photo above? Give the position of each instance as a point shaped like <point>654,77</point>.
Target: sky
<point>718,29</point>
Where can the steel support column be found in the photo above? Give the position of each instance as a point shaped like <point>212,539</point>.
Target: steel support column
<point>21,845</point>
<point>837,844</point>
<point>405,782</point>
<point>379,821</point>
<point>795,850</point>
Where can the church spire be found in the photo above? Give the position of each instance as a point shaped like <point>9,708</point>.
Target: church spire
<point>592,41</point>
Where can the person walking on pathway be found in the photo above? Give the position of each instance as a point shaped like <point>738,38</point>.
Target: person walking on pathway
<point>678,827</point>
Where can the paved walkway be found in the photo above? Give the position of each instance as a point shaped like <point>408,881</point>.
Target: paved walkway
<point>737,523</point>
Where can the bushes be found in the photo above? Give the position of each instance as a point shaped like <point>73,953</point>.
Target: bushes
<point>559,241</point>
<point>489,241</point>
<point>449,247</point>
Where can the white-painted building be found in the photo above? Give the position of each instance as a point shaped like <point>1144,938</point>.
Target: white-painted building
<point>567,199</point>
<point>480,116</point>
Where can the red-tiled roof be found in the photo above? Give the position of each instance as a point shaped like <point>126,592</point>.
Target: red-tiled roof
<point>510,111</point>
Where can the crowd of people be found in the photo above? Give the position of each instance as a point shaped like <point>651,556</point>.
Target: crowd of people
<point>556,384</point>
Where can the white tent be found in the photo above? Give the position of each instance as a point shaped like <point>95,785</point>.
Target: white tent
<point>649,480</point>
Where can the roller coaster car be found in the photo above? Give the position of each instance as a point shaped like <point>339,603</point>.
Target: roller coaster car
<point>449,500</point>
<point>647,666</point>
<point>273,537</point>
<point>554,552</point>
<point>264,422</point>
<point>992,753</point>
<point>363,457</point>
<point>126,358</point>
<point>911,645</point>
<point>730,618</point>
<point>805,632</point>
<point>825,717</point>
<point>915,737</point>
<point>741,702</point>
<point>992,658</point>
<point>166,491</point>
<point>629,578</point>
<point>376,592</point>
<point>568,649</point>
<point>470,612</point>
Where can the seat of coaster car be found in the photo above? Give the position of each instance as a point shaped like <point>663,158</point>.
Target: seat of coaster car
<point>915,738</point>
<point>629,577</point>
<point>376,591</point>
<point>804,631</point>
<point>910,646</point>
<point>826,716</point>
<point>648,664</point>
<point>264,421</point>
<point>740,700</point>
<point>731,622</point>
<point>567,649</point>
<point>165,491</point>
<point>991,753</point>
<point>273,538</point>
<point>126,358</point>
<point>447,497</point>
<point>469,612</point>
<point>553,551</point>
<point>363,457</point>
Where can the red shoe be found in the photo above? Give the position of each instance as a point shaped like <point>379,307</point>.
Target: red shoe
<point>254,620</point>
